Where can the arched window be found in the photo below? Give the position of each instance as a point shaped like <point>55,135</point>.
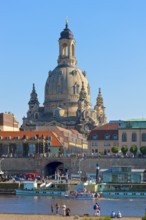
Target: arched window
<point>65,50</point>
<point>36,115</point>
<point>134,137</point>
<point>75,89</point>
<point>143,136</point>
<point>124,137</point>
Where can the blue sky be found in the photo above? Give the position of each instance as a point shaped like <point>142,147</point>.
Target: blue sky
<point>110,46</point>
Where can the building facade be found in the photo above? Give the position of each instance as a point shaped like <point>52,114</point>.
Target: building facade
<point>72,141</point>
<point>29,144</point>
<point>132,133</point>
<point>8,122</point>
<point>103,138</point>
<point>67,95</point>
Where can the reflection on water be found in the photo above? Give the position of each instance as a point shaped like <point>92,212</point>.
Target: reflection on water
<point>42,205</point>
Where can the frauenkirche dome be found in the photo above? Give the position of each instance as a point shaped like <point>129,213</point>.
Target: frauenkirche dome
<point>67,94</point>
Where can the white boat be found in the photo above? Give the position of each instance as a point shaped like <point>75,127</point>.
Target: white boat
<point>50,189</point>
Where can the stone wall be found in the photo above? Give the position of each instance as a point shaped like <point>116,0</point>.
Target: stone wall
<point>20,165</point>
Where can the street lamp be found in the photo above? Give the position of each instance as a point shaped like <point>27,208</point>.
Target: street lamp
<point>80,167</point>
<point>1,164</point>
<point>97,172</point>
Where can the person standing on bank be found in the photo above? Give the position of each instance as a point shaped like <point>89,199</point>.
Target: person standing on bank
<point>52,210</point>
<point>96,207</point>
<point>64,209</point>
<point>57,208</point>
<point>68,211</point>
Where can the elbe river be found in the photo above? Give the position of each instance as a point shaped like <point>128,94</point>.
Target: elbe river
<point>42,205</point>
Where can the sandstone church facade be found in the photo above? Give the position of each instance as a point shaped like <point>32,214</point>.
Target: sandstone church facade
<point>67,95</point>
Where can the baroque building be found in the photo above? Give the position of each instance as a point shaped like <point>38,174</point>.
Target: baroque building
<point>67,95</point>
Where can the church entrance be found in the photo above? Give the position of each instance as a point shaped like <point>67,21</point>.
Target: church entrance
<point>51,168</point>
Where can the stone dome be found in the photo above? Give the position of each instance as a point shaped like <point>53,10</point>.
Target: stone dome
<point>63,86</point>
<point>65,82</point>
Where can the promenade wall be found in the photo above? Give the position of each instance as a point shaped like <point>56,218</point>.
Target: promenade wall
<point>87,165</point>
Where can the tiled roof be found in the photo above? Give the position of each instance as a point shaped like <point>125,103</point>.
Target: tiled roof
<point>110,130</point>
<point>30,134</point>
<point>108,126</point>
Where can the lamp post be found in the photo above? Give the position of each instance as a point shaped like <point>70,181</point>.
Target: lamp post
<point>97,172</point>
<point>80,167</point>
<point>1,164</point>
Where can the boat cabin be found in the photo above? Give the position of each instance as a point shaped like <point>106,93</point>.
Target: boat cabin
<point>30,185</point>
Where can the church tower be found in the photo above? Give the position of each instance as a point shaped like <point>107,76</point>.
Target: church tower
<point>33,103</point>
<point>66,47</point>
<point>64,83</point>
<point>100,109</point>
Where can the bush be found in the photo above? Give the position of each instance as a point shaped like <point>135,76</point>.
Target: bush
<point>144,218</point>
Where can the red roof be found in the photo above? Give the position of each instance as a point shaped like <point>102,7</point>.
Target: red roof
<point>108,126</point>
<point>30,134</point>
<point>109,129</point>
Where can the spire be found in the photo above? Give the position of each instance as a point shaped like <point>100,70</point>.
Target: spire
<point>66,26</point>
<point>33,97</point>
<point>99,100</point>
<point>83,94</point>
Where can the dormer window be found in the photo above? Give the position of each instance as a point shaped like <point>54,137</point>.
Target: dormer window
<point>107,137</point>
<point>95,137</point>
<point>115,137</point>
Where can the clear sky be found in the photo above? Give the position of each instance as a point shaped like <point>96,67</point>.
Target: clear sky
<point>110,46</point>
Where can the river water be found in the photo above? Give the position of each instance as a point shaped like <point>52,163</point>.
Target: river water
<point>41,205</point>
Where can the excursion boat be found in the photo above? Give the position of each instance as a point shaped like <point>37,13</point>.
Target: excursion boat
<point>124,190</point>
<point>51,189</point>
<point>122,182</point>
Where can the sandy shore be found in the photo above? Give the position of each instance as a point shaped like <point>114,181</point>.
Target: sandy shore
<point>50,217</point>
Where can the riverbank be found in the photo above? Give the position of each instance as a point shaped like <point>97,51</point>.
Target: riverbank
<point>50,217</point>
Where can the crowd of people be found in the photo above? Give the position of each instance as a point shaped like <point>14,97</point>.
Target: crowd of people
<point>57,209</point>
<point>114,215</point>
<point>65,211</point>
<point>96,207</point>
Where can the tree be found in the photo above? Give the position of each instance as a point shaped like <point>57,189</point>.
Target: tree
<point>124,149</point>
<point>115,149</point>
<point>133,149</point>
<point>143,150</point>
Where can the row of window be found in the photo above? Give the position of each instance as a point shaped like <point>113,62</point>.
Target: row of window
<point>76,89</point>
<point>95,144</point>
<point>133,137</point>
<point>124,137</point>
<point>106,137</point>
